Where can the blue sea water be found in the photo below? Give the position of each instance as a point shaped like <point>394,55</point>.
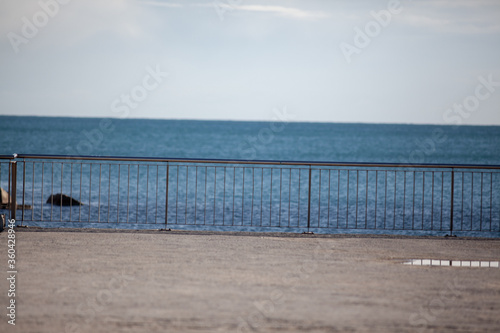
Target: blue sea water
<point>251,140</point>
<point>389,143</point>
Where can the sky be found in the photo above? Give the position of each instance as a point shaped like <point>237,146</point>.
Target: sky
<point>418,62</point>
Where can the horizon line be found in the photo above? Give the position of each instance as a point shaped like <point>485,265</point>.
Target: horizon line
<point>249,120</point>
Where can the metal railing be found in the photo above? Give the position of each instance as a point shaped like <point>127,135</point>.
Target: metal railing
<point>253,195</point>
<point>7,174</point>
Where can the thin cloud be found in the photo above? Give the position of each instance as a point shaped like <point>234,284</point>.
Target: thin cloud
<point>459,3</point>
<point>444,24</point>
<point>283,11</point>
<point>290,12</point>
<point>161,4</point>
<point>460,17</point>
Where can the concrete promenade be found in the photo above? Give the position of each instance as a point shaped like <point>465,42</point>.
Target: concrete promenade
<point>151,281</point>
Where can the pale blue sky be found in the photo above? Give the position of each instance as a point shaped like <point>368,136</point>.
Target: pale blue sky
<point>239,59</point>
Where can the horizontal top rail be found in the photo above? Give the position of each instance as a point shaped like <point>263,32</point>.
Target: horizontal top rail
<point>236,161</point>
<point>7,157</point>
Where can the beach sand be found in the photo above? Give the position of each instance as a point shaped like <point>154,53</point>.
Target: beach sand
<point>157,281</point>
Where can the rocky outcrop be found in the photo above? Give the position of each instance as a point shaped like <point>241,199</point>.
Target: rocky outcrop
<point>4,197</point>
<point>62,200</point>
<point>4,201</point>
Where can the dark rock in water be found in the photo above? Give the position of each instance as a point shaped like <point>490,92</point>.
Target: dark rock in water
<point>62,200</point>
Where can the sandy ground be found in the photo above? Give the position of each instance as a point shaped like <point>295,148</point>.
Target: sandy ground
<point>97,281</point>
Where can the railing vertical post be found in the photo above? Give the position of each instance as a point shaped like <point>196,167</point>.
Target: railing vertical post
<point>12,199</point>
<point>166,199</point>
<point>9,189</point>
<point>24,190</point>
<point>452,200</point>
<point>309,202</point>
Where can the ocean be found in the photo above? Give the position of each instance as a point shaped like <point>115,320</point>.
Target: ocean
<point>277,141</point>
<point>291,141</point>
